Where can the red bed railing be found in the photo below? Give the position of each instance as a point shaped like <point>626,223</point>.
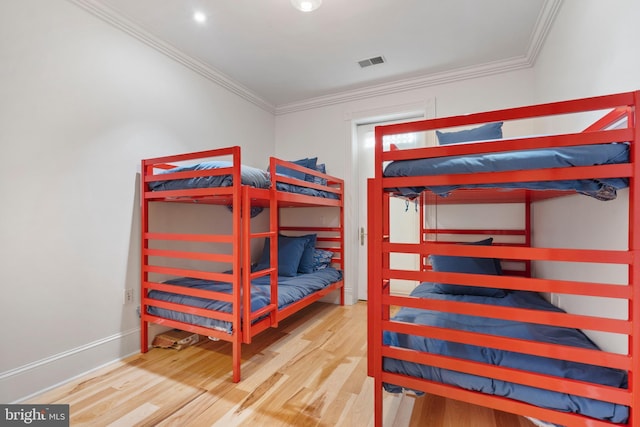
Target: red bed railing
<point>236,254</point>
<point>380,247</point>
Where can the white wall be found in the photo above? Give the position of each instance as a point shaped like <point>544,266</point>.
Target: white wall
<point>81,104</point>
<point>328,132</point>
<point>591,50</point>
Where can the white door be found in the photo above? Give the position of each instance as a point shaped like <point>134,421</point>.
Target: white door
<point>404,220</point>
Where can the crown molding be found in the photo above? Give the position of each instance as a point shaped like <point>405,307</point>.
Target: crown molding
<point>115,19</point>
<point>550,10</point>
<point>543,25</point>
<point>406,85</point>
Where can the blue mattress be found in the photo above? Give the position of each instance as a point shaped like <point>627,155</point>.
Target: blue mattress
<point>542,333</point>
<point>587,155</point>
<point>290,290</point>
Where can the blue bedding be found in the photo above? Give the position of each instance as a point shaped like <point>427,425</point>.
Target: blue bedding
<point>290,289</point>
<point>290,188</point>
<point>542,333</point>
<point>248,175</point>
<point>588,155</point>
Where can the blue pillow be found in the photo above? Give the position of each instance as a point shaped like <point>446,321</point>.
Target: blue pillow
<point>316,179</point>
<point>480,133</point>
<point>471,265</point>
<point>321,259</point>
<point>255,177</point>
<point>311,164</point>
<point>306,261</point>
<point>289,254</point>
<point>307,163</point>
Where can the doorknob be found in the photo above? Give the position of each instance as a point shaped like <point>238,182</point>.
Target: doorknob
<point>362,234</point>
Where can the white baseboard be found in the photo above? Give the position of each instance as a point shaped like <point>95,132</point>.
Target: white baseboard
<point>24,382</point>
<point>349,298</point>
<point>27,381</point>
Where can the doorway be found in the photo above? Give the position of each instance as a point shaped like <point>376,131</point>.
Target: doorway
<point>404,215</point>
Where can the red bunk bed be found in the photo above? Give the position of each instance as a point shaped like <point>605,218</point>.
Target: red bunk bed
<point>204,281</point>
<point>477,330</point>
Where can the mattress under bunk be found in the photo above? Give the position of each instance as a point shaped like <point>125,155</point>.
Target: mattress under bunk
<point>515,351</point>
<point>290,290</point>
<point>524,362</point>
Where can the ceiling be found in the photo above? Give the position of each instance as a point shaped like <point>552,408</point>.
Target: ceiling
<point>283,59</point>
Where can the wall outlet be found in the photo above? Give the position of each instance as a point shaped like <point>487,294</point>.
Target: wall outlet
<point>128,296</point>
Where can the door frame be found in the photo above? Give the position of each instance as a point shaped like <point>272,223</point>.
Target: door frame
<point>424,108</point>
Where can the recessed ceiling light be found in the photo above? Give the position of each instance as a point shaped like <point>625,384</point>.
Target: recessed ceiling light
<point>199,17</point>
<point>306,5</point>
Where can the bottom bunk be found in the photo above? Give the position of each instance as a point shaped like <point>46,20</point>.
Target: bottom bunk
<point>479,333</point>
<point>444,370</point>
<point>290,290</point>
<point>233,307</point>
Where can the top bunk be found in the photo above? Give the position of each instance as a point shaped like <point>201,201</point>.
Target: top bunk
<point>218,177</point>
<point>515,155</point>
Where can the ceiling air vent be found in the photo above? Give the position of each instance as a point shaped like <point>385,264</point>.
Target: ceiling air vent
<point>371,61</point>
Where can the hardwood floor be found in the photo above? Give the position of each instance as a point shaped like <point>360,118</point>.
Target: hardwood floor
<point>309,372</point>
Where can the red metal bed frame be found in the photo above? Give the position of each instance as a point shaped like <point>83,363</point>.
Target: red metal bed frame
<point>245,324</point>
<point>433,234</point>
<point>381,300</point>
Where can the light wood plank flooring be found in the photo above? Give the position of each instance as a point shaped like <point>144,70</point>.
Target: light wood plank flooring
<point>312,371</point>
